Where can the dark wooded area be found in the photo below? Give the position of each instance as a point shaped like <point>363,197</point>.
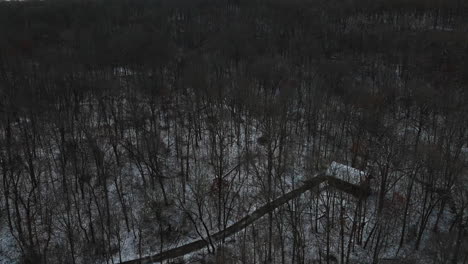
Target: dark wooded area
<point>128,128</point>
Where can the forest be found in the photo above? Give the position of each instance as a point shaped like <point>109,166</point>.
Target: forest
<point>234,131</point>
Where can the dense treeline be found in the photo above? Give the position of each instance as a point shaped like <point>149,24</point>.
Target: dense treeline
<point>130,127</point>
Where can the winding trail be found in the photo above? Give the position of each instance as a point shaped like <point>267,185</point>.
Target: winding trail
<point>359,191</point>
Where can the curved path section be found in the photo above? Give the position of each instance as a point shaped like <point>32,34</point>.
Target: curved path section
<point>359,191</point>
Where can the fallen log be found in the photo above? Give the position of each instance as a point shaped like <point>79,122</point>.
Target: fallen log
<point>359,191</point>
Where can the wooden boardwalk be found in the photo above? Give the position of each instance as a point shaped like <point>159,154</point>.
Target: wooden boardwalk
<point>359,191</point>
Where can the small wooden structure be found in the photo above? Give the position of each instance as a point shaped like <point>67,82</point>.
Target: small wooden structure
<point>346,173</point>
